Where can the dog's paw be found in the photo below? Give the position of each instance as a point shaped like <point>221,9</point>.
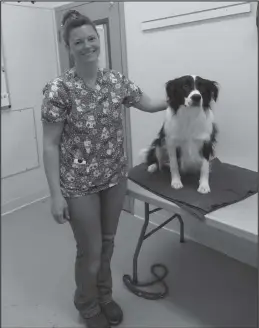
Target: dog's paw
<point>204,188</point>
<point>176,183</point>
<point>152,168</point>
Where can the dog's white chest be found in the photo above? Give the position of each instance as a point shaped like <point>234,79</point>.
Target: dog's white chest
<point>189,124</point>
<point>188,130</point>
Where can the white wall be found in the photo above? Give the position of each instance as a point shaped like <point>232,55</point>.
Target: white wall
<point>31,60</point>
<point>224,50</point>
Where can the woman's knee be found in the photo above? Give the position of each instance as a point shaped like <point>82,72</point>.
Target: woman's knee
<point>89,257</point>
<point>94,266</point>
<point>89,250</point>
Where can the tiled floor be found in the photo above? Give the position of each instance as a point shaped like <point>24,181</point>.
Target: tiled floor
<point>207,289</point>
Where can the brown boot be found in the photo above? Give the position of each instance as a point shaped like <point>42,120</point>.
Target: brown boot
<point>97,321</point>
<point>112,312</point>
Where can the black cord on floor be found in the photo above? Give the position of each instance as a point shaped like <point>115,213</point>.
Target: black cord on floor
<point>133,287</point>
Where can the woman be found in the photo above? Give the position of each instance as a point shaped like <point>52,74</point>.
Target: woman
<point>85,163</point>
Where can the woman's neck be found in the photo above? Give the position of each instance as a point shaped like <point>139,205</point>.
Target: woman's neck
<point>87,71</point>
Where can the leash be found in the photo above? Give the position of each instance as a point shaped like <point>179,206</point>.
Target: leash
<point>133,286</point>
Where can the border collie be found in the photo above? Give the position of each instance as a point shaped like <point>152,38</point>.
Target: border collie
<point>187,138</point>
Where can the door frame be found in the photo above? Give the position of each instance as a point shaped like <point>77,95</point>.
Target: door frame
<point>105,21</point>
<point>124,65</point>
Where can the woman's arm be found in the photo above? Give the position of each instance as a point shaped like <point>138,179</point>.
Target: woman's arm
<point>51,141</point>
<point>146,104</point>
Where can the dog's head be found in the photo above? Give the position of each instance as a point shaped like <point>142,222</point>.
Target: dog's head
<point>191,91</point>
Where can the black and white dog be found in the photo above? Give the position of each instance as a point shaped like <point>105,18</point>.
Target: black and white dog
<point>187,138</point>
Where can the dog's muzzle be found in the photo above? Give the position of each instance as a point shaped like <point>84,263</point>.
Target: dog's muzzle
<point>196,98</point>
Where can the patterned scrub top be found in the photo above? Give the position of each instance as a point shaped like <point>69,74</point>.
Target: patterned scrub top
<point>92,155</point>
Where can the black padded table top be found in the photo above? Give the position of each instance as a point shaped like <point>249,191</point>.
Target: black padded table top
<point>229,184</point>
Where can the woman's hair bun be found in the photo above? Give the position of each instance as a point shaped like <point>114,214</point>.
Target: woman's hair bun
<point>70,15</point>
<point>73,19</point>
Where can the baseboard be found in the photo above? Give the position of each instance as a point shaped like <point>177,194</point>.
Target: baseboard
<point>232,246</point>
<point>22,202</point>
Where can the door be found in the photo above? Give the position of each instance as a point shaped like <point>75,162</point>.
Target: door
<point>106,16</point>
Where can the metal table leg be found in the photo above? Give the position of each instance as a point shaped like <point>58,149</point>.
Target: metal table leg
<point>132,283</point>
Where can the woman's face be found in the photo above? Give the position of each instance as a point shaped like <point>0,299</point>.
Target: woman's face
<point>84,44</point>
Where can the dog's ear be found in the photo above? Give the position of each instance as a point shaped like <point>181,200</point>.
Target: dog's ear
<point>170,87</point>
<point>173,94</point>
<point>214,89</point>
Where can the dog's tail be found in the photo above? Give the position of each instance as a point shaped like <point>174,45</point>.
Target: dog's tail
<point>143,155</point>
